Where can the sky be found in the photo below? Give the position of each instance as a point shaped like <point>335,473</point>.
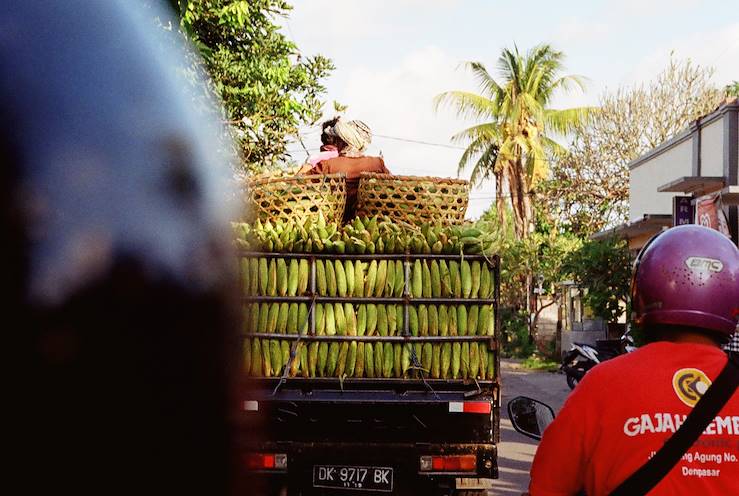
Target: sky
<point>393,57</point>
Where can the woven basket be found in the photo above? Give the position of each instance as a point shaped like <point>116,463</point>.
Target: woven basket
<point>413,199</point>
<point>294,198</point>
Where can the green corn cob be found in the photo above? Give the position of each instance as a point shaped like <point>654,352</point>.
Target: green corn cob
<point>274,310</point>
<point>331,283</point>
<point>426,287</point>
<point>369,288</point>
<point>453,330</point>
<point>433,314</point>
<point>359,365</point>
<point>397,366</point>
<point>263,276</point>
<point>474,360</point>
<point>484,282</point>
<point>369,361</point>
<point>282,317</point>
<point>321,283</point>
<point>426,357</point>
<point>333,359</point>
<point>465,361</point>
<point>359,278</point>
<point>446,360</point>
<point>275,356</point>
<point>322,359</point>
<point>320,320</point>
<point>254,315</point>
<point>293,316</point>
<point>263,317</point>
<point>392,322</point>
<point>466,279</point>
<point>303,319</point>
<point>303,276</point>
<point>349,272</point>
<point>475,279</point>
<point>436,361</point>
<point>387,356</point>
<point>340,319</point>
<point>371,319</point>
<point>382,327</point>
<point>456,359</point>
<point>445,279</point>
<point>341,361</point>
<point>399,279</point>
<point>456,278</point>
<point>293,274</point>
<point>351,359</point>
<point>399,319</point>
<point>304,362</point>
<point>313,359</point>
<point>435,279</point>
<point>285,353</point>
<point>405,359</point>
<point>253,276</point>
<point>389,279</point>
<point>272,279</point>
<point>341,284</point>
<point>417,280</point>
<point>443,321</point>
<point>380,282</point>
<point>361,320</point>
<point>282,281</point>
<point>483,321</point>
<point>423,320</point>
<point>491,366</point>
<point>472,320</point>
<point>351,319</point>
<point>379,356</point>
<point>413,320</point>
<point>256,358</point>
<point>328,311</point>
<point>462,320</point>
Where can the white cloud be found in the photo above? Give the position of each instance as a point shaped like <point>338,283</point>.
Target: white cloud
<point>579,30</point>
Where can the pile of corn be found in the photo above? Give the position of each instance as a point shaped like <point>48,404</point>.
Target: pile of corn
<point>428,278</point>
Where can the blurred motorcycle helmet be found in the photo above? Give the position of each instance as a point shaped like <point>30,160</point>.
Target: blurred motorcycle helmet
<point>119,312</point>
<point>688,276</point>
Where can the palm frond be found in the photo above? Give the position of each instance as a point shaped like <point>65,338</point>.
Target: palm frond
<point>488,85</point>
<point>466,104</point>
<point>565,120</point>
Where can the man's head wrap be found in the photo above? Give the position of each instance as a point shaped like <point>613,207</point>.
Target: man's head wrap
<point>356,134</point>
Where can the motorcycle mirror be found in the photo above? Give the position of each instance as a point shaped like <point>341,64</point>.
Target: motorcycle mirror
<point>529,416</point>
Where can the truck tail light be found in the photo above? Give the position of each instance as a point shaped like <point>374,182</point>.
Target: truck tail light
<point>266,461</point>
<point>470,407</point>
<point>449,463</point>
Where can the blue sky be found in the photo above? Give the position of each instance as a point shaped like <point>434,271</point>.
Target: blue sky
<point>392,57</point>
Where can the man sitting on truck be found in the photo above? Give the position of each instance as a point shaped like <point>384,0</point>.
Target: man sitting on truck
<point>351,139</point>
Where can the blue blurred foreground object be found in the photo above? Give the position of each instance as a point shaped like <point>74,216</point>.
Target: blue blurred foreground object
<point>117,266</point>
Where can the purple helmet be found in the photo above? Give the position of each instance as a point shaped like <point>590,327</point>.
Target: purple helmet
<point>688,276</point>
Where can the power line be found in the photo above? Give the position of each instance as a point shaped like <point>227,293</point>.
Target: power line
<point>420,142</point>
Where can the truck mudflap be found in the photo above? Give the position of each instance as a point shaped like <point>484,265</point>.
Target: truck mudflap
<point>375,468</point>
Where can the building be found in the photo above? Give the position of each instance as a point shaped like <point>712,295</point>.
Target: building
<point>690,178</point>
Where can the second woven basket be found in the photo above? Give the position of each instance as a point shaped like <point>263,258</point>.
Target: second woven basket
<point>413,199</point>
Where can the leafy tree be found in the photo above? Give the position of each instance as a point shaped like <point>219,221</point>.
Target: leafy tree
<point>732,89</point>
<point>514,141</point>
<point>603,268</point>
<point>589,186</point>
<point>267,86</point>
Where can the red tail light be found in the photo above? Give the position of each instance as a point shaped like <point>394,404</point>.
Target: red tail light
<point>265,461</point>
<point>449,463</point>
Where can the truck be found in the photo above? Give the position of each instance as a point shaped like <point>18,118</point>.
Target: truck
<point>415,434</point>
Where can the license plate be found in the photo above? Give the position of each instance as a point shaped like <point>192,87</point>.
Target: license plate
<point>353,478</point>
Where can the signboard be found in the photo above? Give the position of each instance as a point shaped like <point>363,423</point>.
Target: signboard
<point>708,212</point>
<point>682,210</point>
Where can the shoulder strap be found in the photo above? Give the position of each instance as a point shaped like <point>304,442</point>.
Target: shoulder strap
<point>710,404</point>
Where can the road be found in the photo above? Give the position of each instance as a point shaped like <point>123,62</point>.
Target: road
<point>515,451</point>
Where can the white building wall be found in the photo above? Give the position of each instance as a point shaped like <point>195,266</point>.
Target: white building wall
<point>657,171</point>
<point>712,149</point>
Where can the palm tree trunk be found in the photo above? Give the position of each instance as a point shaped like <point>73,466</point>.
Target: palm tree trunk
<point>516,189</point>
<point>500,197</point>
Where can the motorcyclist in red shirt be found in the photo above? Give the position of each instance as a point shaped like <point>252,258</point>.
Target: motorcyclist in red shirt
<point>685,295</point>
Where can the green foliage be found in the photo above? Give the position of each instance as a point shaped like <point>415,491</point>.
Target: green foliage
<point>732,89</point>
<point>515,336</point>
<point>603,268</point>
<point>513,142</point>
<point>537,362</point>
<point>267,87</point>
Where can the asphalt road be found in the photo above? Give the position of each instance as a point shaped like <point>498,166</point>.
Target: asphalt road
<point>515,451</point>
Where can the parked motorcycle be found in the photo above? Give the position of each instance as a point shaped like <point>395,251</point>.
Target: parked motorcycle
<point>583,357</point>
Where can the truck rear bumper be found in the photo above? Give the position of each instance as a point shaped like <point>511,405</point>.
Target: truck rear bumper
<point>403,458</point>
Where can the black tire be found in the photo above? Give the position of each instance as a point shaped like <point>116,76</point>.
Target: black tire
<point>572,381</point>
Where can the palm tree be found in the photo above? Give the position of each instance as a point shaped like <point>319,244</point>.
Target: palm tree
<point>514,142</point>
